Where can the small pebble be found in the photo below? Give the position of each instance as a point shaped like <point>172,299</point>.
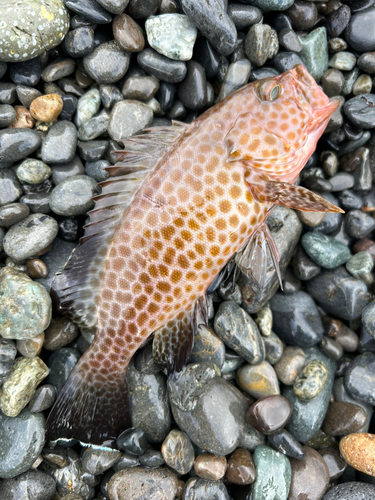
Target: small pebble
<point>178,452</point>
<point>310,476</point>
<point>343,418</point>
<point>358,450</point>
<point>42,399</point>
<point>46,108</point>
<point>269,414</point>
<point>29,348</point>
<point>311,380</point>
<point>210,467</point>
<point>258,380</point>
<point>241,469</point>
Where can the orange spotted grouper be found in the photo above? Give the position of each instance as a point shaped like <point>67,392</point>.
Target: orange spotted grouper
<point>182,201</point>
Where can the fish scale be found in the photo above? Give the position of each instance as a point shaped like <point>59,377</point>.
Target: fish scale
<point>206,197</point>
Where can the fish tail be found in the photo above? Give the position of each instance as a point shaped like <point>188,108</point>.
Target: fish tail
<point>92,408</point>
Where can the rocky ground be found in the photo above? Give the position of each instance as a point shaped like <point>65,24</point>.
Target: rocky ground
<point>277,399</point>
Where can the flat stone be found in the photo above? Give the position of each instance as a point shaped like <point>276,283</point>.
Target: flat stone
<point>90,10</point>
<point>161,67</point>
<point>325,250</point>
<point>273,474</point>
<point>61,363</point>
<point>285,443</point>
<point>31,485</point>
<point>244,16</point>
<point>12,213</point>
<point>96,461</point>
<point>42,399</point>
<point>141,88</point>
<point>127,118</point>
<point>310,476</point>
<point>358,450</point>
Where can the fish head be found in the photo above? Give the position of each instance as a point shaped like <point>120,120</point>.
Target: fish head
<point>286,116</point>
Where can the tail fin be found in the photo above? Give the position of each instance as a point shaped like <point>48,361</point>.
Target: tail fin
<point>90,408</point>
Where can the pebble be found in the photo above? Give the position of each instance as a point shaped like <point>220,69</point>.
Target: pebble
<point>310,476</point>
<point>332,348</point>
<point>128,460</point>
<point>96,169</point>
<point>172,35</point>
<point>296,319</point>
<point>20,384</point>
<point>27,94</point>
<point>25,304</point>
<point>258,380</point>
<point>261,43</point>
<point>285,443</point>
<point>16,144</point>
<point>236,76</point>
<point>358,451</point>
<point>343,418</point>
<point>354,490</point>
<point>239,332</point>
<point>344,61</point>
<point>92,150</point>
<point>89,10</point>
<point>192,92</point>
<point>310,382</point>
<point>266,5</point>
<point>95,127</point>
<point>161,67</point>
<point>141,88</point>
<point>273,474</point>
<point>210,467</point>
<point>303,15</point>
<point>314,53</point>
<point>339,293</point>
<point>303,267</point>
<point>359,378</point>
<point>133,441</point>
<point>60,333</point>
<point>362,85</point>
<point>360,110</point>
<point>244,16</point>
<point>199,489</point>
<point>8,93</point>
<point>57,70</point>
<point>290,364</point>
<point>42,399</point>
<point>8,353</point>
<point>32,171</point>
<point>79,42</point>
<point>336,465</point>
<point>141,481</point>
<point>308,415</point>
<point>25,433</point>
<point>274,348</point>
<point>366,62</point>
<point>359,224</point>
<point>52,26</point>
<point>69,477</point>
<point>7,115</point>
<point>360,264</point>
<point>61,363</point>
<point>107,63</point>
<point>212,21</point>
<point>195,397</point>
<point>358,33</point>
<point>269,414</point>
<point>46,108</point>
<point>27,72</point>
<point>30,347</point>
<point>10,188</point>
<point>127,34</point>
<point>23,118</point>
<point>208,347</point>
<point>325,250</point>
<point>241,469</point>
<point>60,144</point>
<point>73,196</point>
<point>127,118</point>
<point>96,461</point>
<point>87,106</point>
<point>31,485</point>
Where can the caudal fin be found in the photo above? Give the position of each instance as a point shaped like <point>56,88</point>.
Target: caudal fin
<point>90,408</point>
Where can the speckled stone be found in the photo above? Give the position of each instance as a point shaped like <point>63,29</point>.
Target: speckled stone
<point>24,377</point>
<point>261,43</point>
<point>325,250</point>
<point>107,63</point>
<point>23,118</point>
<point>10,188</point>
<point>358,450</point>
<point>290,364</point>
<point>273,474</point>
<point>353,490</point>
<point>16,144</point>
<point>40,27</point>
<point>46,108</point>
<point>344,61</point>
<point>178,452</point>
<point>31,347</point>
<point>32,171</point>
<point>314,53</point>
<point>96,461</point>
<point>172,35</point>
<point>60,144</point>
<point>310,382</point>
<point>7,115</point>
<point>21,441</point>
<point>241,469</point>
<point>31,485</point>
<point>25,305</point>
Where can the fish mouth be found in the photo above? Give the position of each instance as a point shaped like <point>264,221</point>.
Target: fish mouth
<point>327,111</point>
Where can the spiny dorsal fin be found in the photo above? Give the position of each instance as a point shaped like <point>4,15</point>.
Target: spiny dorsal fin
<point>75,289</point>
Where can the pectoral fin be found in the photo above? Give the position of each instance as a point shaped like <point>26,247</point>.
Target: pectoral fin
<point>292,196</point>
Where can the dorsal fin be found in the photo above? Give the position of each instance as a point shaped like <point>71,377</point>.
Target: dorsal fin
<point>76,287</point>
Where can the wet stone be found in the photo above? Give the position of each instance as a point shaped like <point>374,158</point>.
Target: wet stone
<point>61,363</point>
<point>57,70</point>
<point>273,474</point>
<point>296,319</point>
<point>344,61</point>
<point>24,433</point>
<point>358,33</point>
<point>69,475</point>
<point>87,106</point>
<point>161,67</point>
<point>360,110</point>
<point>244,16</point>
<point>46,108</point>
<point>8,93</point>
<point>127,118</point>
<point>141,88</point>
<point>339,293</point>
<point>310,382</point>
<point>95,127</point>
<point>7,115</point>
<point>366,62</point>
<point>152,458</point>
<point>90,11</point>
<point>92,150</point>
<point>73,196</point>
<point>310,476</point>
<point>362,85</point>
<point>336,465</point>
<point>16,144</point>
<point>274,347</point>
<point>42,399</point>
<point>27,72</point>
<point>360,264</point>
<point>133,482</point>
<point>359,378</point>
<point>109,95</point>
<point>207,347</point>
<point>213,22</point>
<point>60,333</point>
<point>31,347</point>
<point>359,224</point>
<point>350,200</point>
<point>290,364</point>
<point>32,171</point>
<point>23,118</point>
<point>60,144</point>
<point>127,34</point>
<point>338,20</point>
<point>304,268</point>
<point>236,76</point>
<point>97,461</point>
<point>8,353</point>
<point>302,15</point>
<point>31,485</point>
<point>258,380</point>
<point>133,441</point>
<point>178,452</point>
<point>69,107</point>
<point>10,188</point>
<point>285,443</point>
<point>107,63</point>
<point>314,53</point>
<point>241,469</point>
<point>331,347</point>
<point>354,490</point>
<point>358,451</point>
<point>192,92</point>
<point>325,250</point>
<point>239,332</point>
<point>96,169</point>
<point>343,418</point>
<point>269,414</point>
<point>79,42</point>
<point>261,43</point>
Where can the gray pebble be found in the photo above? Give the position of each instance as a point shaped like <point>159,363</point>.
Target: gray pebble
<point>70,479</point>
<point>17,143</point>
<point>8,352</point>
<point>73,196</point>
<point>95,127</point>
<point>32,171</point>
<point>26,95</point>
<point>60,172</point>
<point>10,188</point>
<point>96,169</point>
<point>87,106</point>
<point>108,63</point>
<point>96,461</point>
<point>361,110</point>
<point>358,224</point>
<point>42,399</point>
<point>161,67</point>
<point>354,490</point>
<point>31,485</point>
<point>7,115</point>
<point>58,69</point>
<point>60,144</point>
<point>127,118</point>
<point>61,363</point>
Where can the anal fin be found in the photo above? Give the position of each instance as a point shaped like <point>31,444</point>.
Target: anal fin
<point>291,196</point>
<point>173,343</point>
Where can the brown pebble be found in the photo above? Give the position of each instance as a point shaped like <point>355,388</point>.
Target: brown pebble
<point>127,33</point>
<point>23,118</point>
<point>343,418</point>
<point>321,440</point>
<point>31,347</point>
<point>311,219</point>
<point>358,450</point>
<point>331,326</point>
<point>180,488</point>
<point>36,268</point>
<point>210,467</point>
<point>46,108</point>
<point>82,78</point>
<point>336,465</point>
<point>290,364</point>
<point>241,469</point>
<point>365,245</point>
<point>269,414</point>
<point>310,476</point>
<point>60,333</point>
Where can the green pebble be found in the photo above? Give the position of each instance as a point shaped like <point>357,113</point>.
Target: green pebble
<point>88,105</point>
<point>314,53</point>
<point>311,381</point>
<point>344,61</point>
<point>25,306</point>
<point>274,475</point>
<point>325,250</point>
<point>32,171</point>
<point>360,264</point>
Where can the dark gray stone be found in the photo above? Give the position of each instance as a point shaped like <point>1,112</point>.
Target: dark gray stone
<point>359,379</point>
<point>7,115</point>
<point>74,195</point>
<point>207,347</point>
<point>55,259</point>
<point>192,92</point>
<point>89,10</point>
<point>17,143</point>
<point>61,363</point>
<point>107,63</point>
<point>60,144</point>
<point>31,485</point>
<point>96,461</point>
<point>199,489</point>
<point>359,33</point>
<point>354,490</point>
<point>161,67</point>
<point>361,110</point>
<point>358,224</point>
<point>304,268</point>
<point>71,479</point>
<point>10,188</point>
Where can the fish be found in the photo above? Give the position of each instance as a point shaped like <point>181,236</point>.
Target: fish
<point>180,204</point>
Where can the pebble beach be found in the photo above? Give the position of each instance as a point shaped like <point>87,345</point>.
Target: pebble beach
<point>277,399</point>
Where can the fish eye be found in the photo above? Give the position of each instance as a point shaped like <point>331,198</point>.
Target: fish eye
<point>269,91</point>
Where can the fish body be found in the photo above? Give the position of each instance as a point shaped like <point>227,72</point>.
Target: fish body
<point>206,198</point>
